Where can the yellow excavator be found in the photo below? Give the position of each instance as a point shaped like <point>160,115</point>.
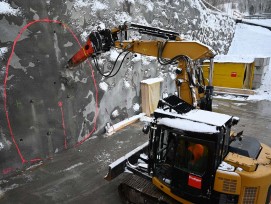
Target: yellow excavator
<point>192,156</point>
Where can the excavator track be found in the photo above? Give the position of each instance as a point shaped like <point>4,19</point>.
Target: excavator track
<point>138,190</point>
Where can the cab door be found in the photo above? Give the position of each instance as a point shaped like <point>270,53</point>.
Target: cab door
<point>192,176</point>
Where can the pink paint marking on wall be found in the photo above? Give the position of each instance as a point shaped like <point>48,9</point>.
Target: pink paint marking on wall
<point>7,170</point>
<point>36,160</point>
<point>5,90</point>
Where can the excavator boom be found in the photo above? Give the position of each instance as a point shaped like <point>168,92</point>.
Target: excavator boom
<point>103,40</point>
<point>169,49</point>
<point>173,50</point>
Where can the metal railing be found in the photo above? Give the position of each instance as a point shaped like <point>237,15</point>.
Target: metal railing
<point>259,16</point>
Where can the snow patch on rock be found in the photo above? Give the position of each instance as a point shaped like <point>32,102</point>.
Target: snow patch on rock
<point>1,146</point>
<point>98,6</point>
<point>6,9</point>
<point>136,107</point>
<point>126,84</point>
<point>3,50</point>
<point>122,17</point>
<point>115,113</point>
<point>103,86</point>
<point>68,44</point>
<point>81,3</point>
<point>113,55</point>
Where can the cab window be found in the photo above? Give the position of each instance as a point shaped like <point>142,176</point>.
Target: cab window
<point>191,157</point>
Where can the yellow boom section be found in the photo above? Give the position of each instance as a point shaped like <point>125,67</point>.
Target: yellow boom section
<point>192,49</point>
<point>168,50</point>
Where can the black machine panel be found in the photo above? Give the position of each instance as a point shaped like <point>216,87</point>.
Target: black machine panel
<point>248,146</point>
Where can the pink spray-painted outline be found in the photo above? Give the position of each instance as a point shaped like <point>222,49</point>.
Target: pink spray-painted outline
<point>6,79</point>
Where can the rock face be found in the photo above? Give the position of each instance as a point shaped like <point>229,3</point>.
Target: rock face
<point>44,108</point>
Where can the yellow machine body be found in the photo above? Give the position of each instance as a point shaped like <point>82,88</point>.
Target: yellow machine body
<point>251,185</point>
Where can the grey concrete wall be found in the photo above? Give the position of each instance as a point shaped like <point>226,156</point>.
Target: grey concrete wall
<point>49,108</point>
<point>261,66</point>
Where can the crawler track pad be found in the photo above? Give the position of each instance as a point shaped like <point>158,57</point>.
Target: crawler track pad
<point>137,190</point>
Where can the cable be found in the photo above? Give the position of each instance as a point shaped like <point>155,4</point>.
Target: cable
<point>114,66</point>
<point>200,77</point>
<point>189,73</point>
<point>174,60</point>
<point>120,65</point>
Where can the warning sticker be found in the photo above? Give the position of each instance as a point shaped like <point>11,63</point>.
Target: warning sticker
<point>234,74</point>
<point>194,181</point>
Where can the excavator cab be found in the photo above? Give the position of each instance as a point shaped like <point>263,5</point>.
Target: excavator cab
<point>186,173</point>
<point>192,157</point>
<point>185,152</point>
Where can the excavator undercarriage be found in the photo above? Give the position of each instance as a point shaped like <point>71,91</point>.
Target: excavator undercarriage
<point>139,190</point>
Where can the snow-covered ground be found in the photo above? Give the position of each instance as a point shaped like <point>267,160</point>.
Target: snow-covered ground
<point>254,41</point>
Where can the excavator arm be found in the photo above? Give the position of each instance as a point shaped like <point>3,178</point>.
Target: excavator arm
<point>102,40</point>
<point>169,49</point>
<point>173,50</point>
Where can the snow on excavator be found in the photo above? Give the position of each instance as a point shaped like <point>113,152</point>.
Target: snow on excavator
<point>192,155</point>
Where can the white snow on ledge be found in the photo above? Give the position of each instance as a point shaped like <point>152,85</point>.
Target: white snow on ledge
<point>233,59</point>
<point>224,166</point>
<point>200,116</point>
<point>187,125</point>
<point>152,80</point>
<point>123,123</point>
